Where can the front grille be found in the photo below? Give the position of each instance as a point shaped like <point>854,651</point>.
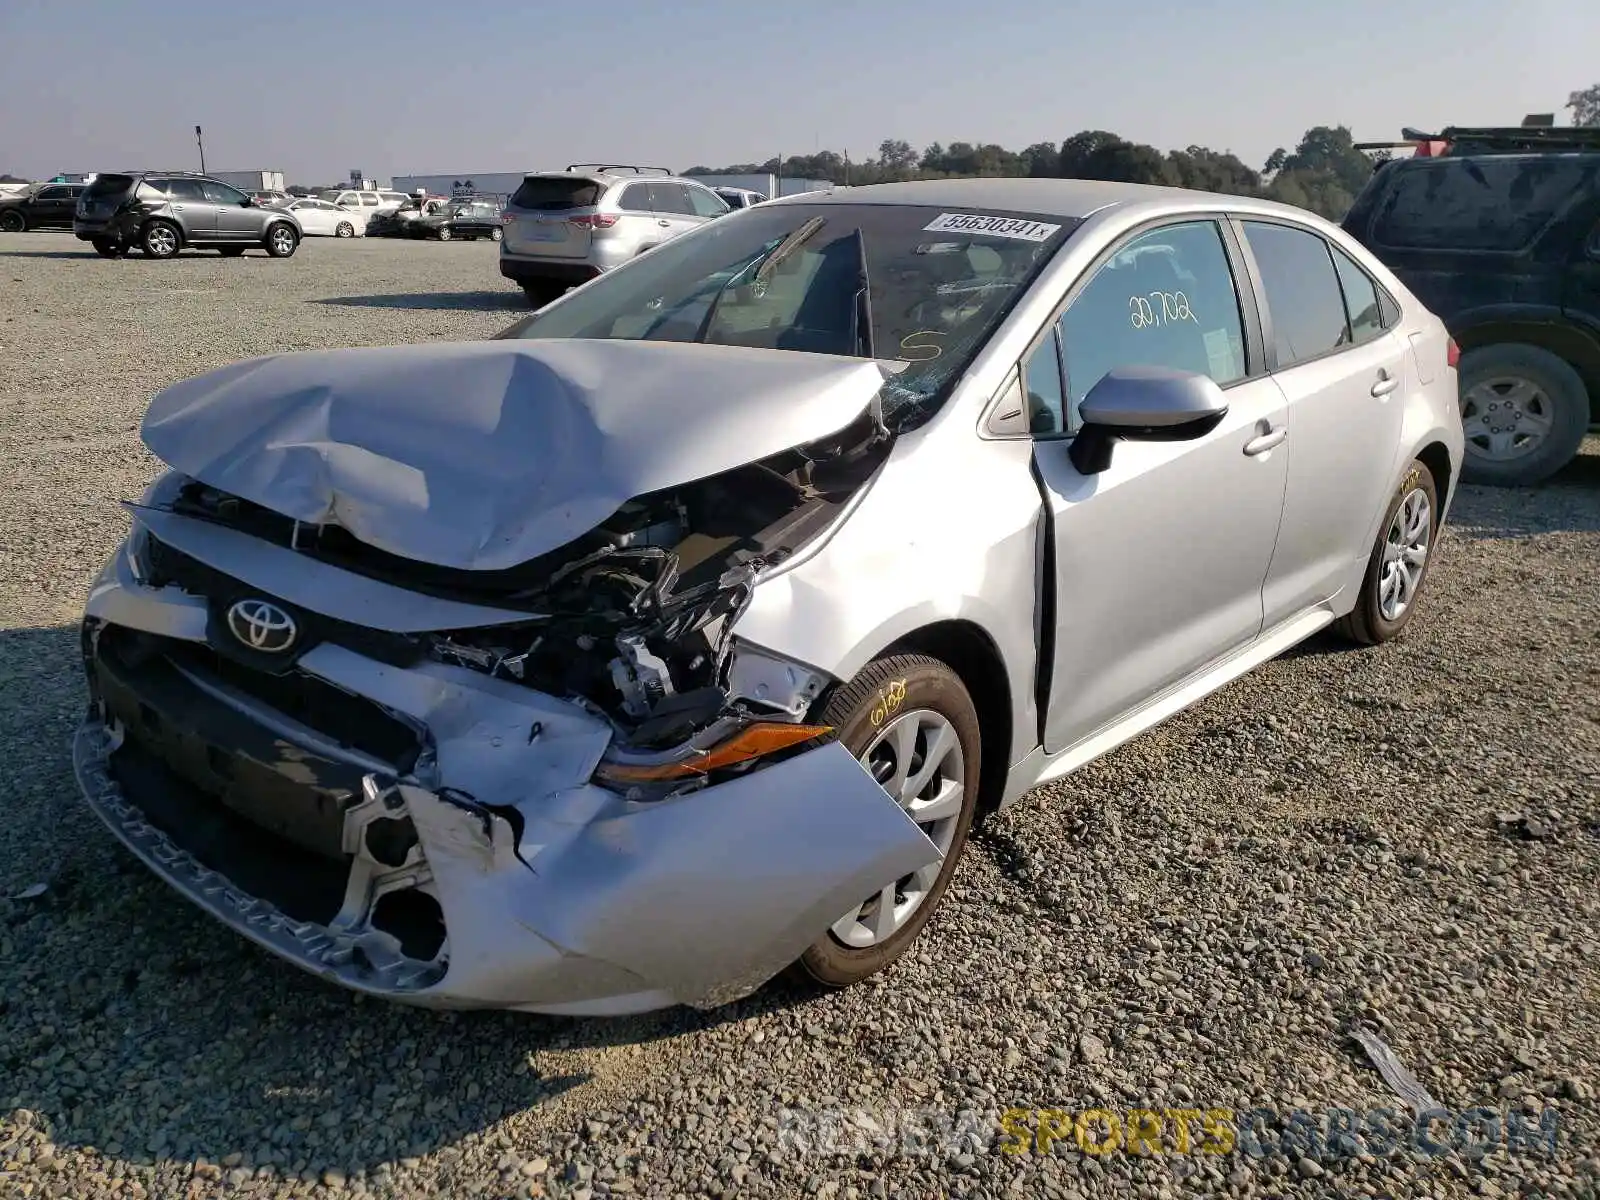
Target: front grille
<point>169,566</point>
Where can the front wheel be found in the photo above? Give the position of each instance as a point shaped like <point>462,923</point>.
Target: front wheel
<point>281,241</point>
<point>106,248</point>
<point>1399,563</point>
<point>1524,412</point>
<point>444,234</point>
<point>910,722</point>
<point>496,234</point>
<point>345,229</point>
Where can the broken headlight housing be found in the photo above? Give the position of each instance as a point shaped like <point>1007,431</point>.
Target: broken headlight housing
<point>732,746</point>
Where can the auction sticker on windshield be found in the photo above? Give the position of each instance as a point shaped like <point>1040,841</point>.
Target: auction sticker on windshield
<point>1006,227</point>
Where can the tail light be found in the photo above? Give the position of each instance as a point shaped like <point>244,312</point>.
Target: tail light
<point>506,218</point>
<point>594,221</point>
<point>1452,353</point>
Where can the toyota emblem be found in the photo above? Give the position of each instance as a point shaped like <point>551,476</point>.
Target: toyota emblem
<point>262,626</point>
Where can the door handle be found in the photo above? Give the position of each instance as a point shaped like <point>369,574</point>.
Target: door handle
<point>1265,440</point>
<point>1386,384</point>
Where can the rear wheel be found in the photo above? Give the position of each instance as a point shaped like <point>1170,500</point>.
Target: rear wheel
<point>12,221</point>
<point>230,251</point>
<point>345,229</point>
<point>444,233</point>
<point>540,294</point>
<point>1399,563</point>
<point>160,239</point>
<point>281,241</point>
<point>1524,411</point>
<point>106,248</point>
<point>910,722</point>
<point>496,234</point>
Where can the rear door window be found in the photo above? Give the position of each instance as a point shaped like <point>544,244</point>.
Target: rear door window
<point>1361,302</point>
<point>555,193</point>
<point>52,193</point>
<point>1493,202</point>
<point>185,189</point>
<point>636,198</point>
<point>1302,291</point>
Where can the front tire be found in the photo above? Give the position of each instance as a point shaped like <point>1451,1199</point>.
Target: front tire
<point>282,241</point>
<point>1524,411</point>
<point>443,234</point>
<point>1400,560</point>
<point>345,230</point>
<point>496,234</point>
<point>160,239</point>
<point>909,720</point>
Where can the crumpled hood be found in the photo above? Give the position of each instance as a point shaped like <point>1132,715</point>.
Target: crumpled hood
<point>482,455</point>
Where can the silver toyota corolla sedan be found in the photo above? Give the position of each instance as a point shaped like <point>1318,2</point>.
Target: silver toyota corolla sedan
<point>678,635</point>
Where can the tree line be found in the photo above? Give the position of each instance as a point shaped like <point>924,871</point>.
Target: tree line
<point>1323,173</point>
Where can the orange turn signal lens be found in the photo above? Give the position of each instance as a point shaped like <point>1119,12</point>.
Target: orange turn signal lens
<point>751,742</point>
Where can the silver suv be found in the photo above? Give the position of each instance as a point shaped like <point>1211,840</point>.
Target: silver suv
<point>163,212</point>
<point>566,227</point>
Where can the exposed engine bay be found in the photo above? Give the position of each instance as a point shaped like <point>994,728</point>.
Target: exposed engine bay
<point>634,619</point>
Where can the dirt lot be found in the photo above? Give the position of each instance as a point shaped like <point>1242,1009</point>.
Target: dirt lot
<point>1192,922</point>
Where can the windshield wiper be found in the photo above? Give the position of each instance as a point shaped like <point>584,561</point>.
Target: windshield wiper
<point>764,267</point>
<point>861,315</point>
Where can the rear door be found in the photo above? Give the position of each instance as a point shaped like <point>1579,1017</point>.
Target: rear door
<point>197,215</point>
<point>1580,298</point>
<point>1345,378</point>
<point>550,216</point>
<point>52,207</point>
<point>674,211</point>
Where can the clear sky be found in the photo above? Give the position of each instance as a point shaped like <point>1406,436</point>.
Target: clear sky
<point>318,87</point>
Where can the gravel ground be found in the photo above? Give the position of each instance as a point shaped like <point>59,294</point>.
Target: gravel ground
<point>1194,921</point>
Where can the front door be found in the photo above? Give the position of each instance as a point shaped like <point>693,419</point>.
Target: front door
<point>236,221</point>
<point>1159,560</point>
<point>195,213</point>
<point>1345,376</point>
<point>1580,297</point>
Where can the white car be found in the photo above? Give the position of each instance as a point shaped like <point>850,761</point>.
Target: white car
<point>318,218</point>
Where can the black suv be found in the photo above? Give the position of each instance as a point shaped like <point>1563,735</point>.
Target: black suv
<point>162,212</point>
<point>43,206</point>
<point>1500,236</point>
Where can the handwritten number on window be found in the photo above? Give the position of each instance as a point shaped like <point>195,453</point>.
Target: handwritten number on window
<point>1157,309</point>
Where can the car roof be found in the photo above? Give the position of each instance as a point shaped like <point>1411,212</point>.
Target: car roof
<point>1071,199</point>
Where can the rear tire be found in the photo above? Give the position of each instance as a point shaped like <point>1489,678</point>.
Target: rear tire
<point>1393,574</point>
<point>12,221</point>
<point>444,233</point>
<point>230,251</point>
<point>1525,412</point>
<point>496,234</point>
<point>160,239</point>
<point>106,248</point>
<point>915,706</point>
<point>540,294</point>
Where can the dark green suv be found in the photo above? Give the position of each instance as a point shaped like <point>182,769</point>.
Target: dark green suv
<point>1500,237</point>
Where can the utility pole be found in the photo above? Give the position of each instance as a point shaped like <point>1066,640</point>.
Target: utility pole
<point>200,141</point>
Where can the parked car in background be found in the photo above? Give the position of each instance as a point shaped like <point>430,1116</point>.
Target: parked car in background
<point>566,227</point>
<point>164,213</point>
<point>1500,236</point>
<point>318,218</point>
<point>396,222</point>
<point>271,197</point>
<point>368,202</point>
<point>739,197</point>
<point>468,220</point>
<point>41,206</point>
<point>689,636</point>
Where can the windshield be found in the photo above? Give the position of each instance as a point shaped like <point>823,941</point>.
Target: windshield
<point>938,284</point>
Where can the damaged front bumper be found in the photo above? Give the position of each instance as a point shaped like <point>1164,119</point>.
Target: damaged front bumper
<point>432,835</point>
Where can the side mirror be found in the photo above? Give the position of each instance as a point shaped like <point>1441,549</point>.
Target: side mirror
<point>1145,404</point>
<point>248,202</point>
